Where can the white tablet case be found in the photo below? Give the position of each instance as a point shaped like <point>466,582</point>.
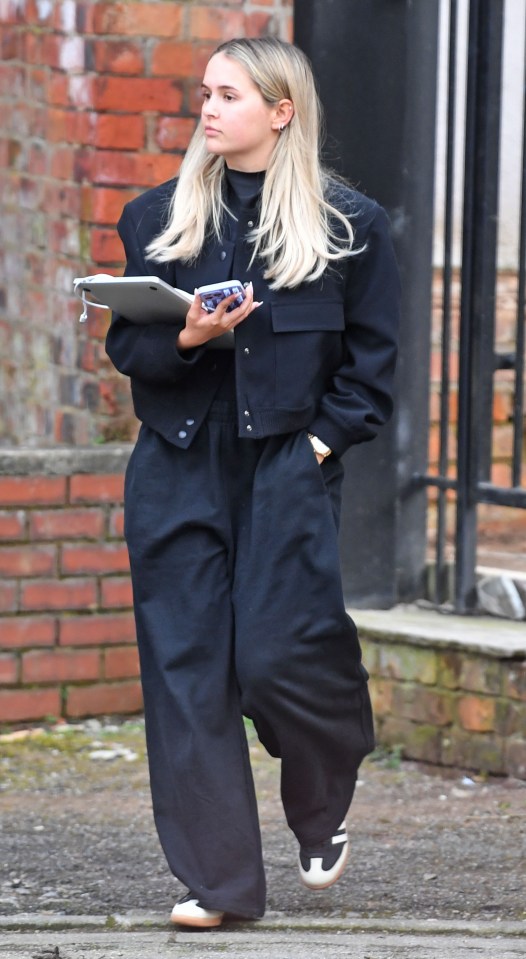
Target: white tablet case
<point>140,299</point>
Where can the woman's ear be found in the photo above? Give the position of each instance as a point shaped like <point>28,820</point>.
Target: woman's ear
<point>283,114</point>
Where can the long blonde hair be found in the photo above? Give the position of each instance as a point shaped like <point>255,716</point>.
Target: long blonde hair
<point>296,236</point>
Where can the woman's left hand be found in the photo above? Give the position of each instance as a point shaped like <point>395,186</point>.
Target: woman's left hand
<point>203,327</point>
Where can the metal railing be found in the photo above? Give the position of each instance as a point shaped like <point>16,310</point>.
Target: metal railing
<point>478,359</point>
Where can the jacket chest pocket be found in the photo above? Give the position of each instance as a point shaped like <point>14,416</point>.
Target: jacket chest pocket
<point>308,316</point>
<point>309,348</point>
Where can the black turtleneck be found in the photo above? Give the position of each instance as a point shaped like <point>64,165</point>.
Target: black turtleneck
<point>245,186</point>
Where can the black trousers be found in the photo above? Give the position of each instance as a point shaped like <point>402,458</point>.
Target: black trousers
<point>239,611</point>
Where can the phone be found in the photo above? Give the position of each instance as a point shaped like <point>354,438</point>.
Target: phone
<point>212,294</point>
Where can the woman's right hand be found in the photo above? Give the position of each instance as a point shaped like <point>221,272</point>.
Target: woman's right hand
<point>201,326</point>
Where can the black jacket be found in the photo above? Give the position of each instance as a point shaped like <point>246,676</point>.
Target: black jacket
<point>321,356</point>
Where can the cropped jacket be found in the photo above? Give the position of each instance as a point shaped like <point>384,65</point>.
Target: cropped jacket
<point>319,357</point>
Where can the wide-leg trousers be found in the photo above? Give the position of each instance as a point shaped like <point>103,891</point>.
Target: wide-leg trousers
<point>239,611</point>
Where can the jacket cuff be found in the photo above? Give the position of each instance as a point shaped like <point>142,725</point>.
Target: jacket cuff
<point>336,438</point>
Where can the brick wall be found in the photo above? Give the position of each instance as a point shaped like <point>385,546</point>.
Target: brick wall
<point>66,624</point>
<point>97,103</point>
<point>449,703</point>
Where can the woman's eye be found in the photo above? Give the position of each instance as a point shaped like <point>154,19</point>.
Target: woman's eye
<point>229,97</point>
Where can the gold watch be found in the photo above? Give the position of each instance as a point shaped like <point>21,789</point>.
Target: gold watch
<point>320,448</point>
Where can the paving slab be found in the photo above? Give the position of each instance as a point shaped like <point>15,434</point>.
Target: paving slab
<point>280,940</point>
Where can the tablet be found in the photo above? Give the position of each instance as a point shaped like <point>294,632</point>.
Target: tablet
<point>140,299</point>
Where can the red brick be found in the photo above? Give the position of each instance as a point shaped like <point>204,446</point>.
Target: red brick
<point>105,246</point>
<point>501,474</point>
<point>108,558</point>
<point>59,594</point>
<point>422,705</point>
<point>121,662</point>
<point>63,162</point>
<point>104,699</point>
<point>104,204</point>
<point>8,595</point>
<point>480,675</point>
<point>11,44</point>
<point>58,666</point>
<point>89,356</point>
<point>27,560</point>
<point>502,406</point>
<point>66,524</point>
<point>32,490</point>
<point>138,19</point>
<point>19,631</point>
<point>113,131</point>
<point>141,169</point>
<point>136,94</point>
<point>9,670</point>
<point>97,630</point>
<point>476,713</point>
<point>37,160</point>
<point>114,56</point>
<point>20,705</point>
<point>58,90</point>
<point>62,125</point>
<point>96,488</point>
<point>12,525</point>
<point>175,59</point>
<point>117,523</point>
<point>12,80</point>
<point>49,53</point>
<point>62,198</point>
<point>174,133</point>
<point>116,591</point>
<point>257,24</point>
<point>32,44</point>
<point>208,23</point>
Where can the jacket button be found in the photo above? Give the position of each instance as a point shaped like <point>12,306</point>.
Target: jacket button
<point>222,255</point>
<point>182,434</point>
<point>246,350</point>
<point>250,223</point>
<point>249,429</point>
<point>190,422</point>
<point>247,413</point>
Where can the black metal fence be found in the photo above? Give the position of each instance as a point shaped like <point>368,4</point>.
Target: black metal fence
<point>479,361</point>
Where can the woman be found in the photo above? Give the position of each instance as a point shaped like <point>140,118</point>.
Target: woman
<point>233,489</point>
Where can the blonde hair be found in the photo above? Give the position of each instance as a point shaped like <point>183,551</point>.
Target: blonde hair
<point>296,236</point>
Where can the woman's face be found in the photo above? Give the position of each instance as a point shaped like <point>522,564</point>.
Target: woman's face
<point>238,123</point>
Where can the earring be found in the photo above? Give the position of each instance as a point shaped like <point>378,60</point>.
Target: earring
<point>282,127</point>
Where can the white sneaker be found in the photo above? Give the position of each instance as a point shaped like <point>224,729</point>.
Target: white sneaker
<point>188,912</point>
<point>322,865</point>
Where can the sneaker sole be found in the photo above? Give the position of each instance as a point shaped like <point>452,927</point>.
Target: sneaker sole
<point>199,923</point>
<point>325,885</point>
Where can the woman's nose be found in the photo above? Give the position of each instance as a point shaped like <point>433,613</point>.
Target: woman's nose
<point>210,108</point>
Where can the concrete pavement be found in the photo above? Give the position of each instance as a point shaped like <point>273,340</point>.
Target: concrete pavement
<point>149,937</point>
<point>143,936</point>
